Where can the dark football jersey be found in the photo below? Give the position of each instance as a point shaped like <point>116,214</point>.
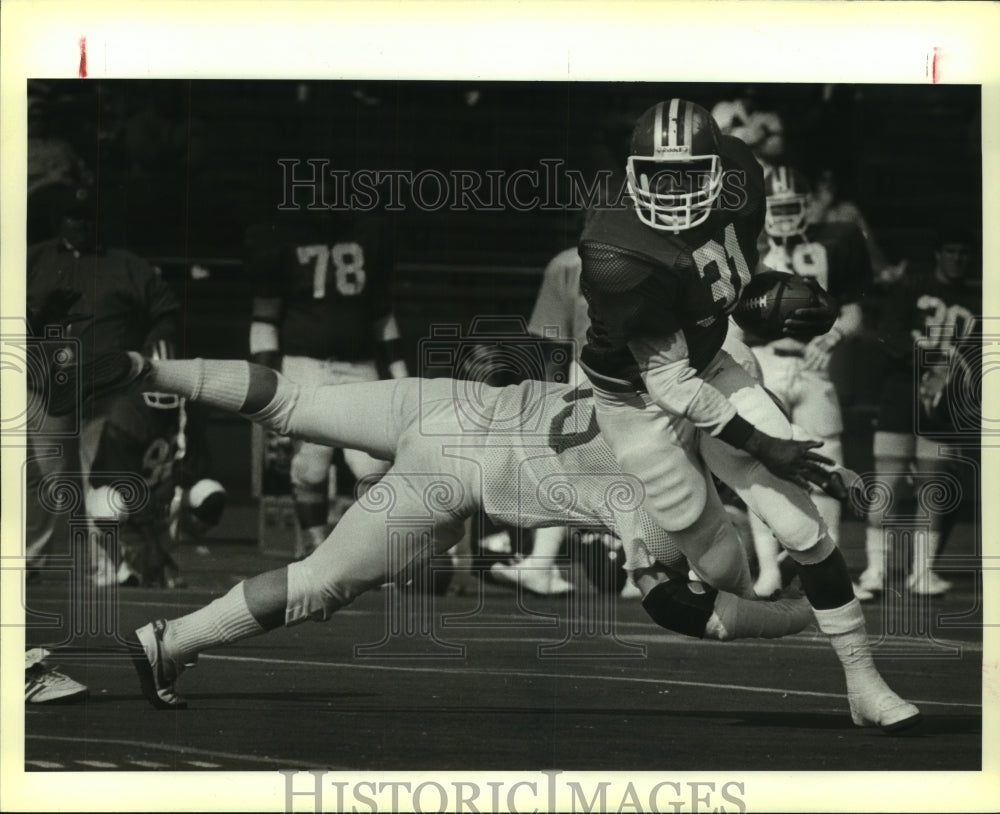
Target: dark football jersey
<point>935,315</point>
<point>332,276</point>
<point>834,254</point>
<point>142,439</point>
<point>640,281</point>
<point>122,296</point>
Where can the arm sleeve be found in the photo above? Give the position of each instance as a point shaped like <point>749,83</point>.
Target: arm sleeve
<point>674,385</point>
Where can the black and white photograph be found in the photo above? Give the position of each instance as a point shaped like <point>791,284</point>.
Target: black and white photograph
<point>483,425</point>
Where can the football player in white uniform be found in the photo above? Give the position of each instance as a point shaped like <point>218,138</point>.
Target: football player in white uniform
<point>797,371</point>
<point>529,455</point>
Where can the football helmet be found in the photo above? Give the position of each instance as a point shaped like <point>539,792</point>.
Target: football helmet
<point>162,401</point>
<point>674,173</point>
<point>788,198</point>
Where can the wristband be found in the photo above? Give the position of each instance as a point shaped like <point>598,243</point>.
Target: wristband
<point>737,432</point>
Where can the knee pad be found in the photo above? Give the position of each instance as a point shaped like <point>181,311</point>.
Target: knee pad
<point>675,606</point>
<point>315,597</point>
<point>675,496</point>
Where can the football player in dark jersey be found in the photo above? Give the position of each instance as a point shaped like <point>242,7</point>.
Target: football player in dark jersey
<point>161,438</point>
<point>933,316</point>
<point>322,314</point>
<point>661,280</point>
<point>797,372</point>
<point>533,457</point>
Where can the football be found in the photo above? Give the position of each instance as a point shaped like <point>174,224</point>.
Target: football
<point>768,299</point>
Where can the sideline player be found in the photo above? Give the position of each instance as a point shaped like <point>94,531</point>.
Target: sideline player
<point>322,314</point>
<point>933,314</point>
<point>662,276</point>
<point>796,371</point>
<point>123,304</point>
<point>163,439</point>
<point>533,458</point>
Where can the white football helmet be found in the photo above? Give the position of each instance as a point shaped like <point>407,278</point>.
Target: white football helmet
<point>788,198</point>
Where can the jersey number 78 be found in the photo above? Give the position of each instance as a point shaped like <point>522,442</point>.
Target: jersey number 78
<point>348,267</point>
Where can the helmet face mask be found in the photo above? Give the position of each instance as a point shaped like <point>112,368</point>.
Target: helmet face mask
<point>161,401</point>
<point>675,172</point>
<point>787,203</point>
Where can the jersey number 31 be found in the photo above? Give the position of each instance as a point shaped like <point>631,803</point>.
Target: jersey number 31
<point>348,267</point>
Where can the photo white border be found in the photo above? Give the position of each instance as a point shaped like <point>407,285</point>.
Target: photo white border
<point>888,42</point>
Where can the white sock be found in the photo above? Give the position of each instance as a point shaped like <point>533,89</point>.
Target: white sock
<point>925,548</point>
<point>227,619</point>
<point>845,627</point>
<point>219,383</point>
<point>875,549</point>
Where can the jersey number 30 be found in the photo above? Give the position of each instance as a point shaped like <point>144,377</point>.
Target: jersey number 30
<point>348,267</point>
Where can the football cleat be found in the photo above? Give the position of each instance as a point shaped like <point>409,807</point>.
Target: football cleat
<point>884,709</point>
<point>157,672</point>
<point>46,685</point>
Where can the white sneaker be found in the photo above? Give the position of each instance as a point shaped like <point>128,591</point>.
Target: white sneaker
<point>928,583</point>
<point>884,709</point>
<point>542,581</point>
<point>46,685</point>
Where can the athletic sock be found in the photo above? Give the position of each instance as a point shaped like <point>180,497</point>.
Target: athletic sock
<point>219,383</point>
<point>845,627</point>
<point>875,550</point>
<point>225,620</point>
<point>738,618</point>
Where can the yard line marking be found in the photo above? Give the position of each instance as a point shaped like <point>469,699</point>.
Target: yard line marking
<point>187,750</point>
<point>44,764</point>
<point>97,764</point>
<point>559,676</point>
<point>149,764</point>
<point>201,764</point>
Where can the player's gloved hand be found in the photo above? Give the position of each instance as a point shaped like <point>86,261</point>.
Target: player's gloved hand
<point>805,323</point>
<point>54,310</point>
<point>268,358</point>
<point>790,460</point>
